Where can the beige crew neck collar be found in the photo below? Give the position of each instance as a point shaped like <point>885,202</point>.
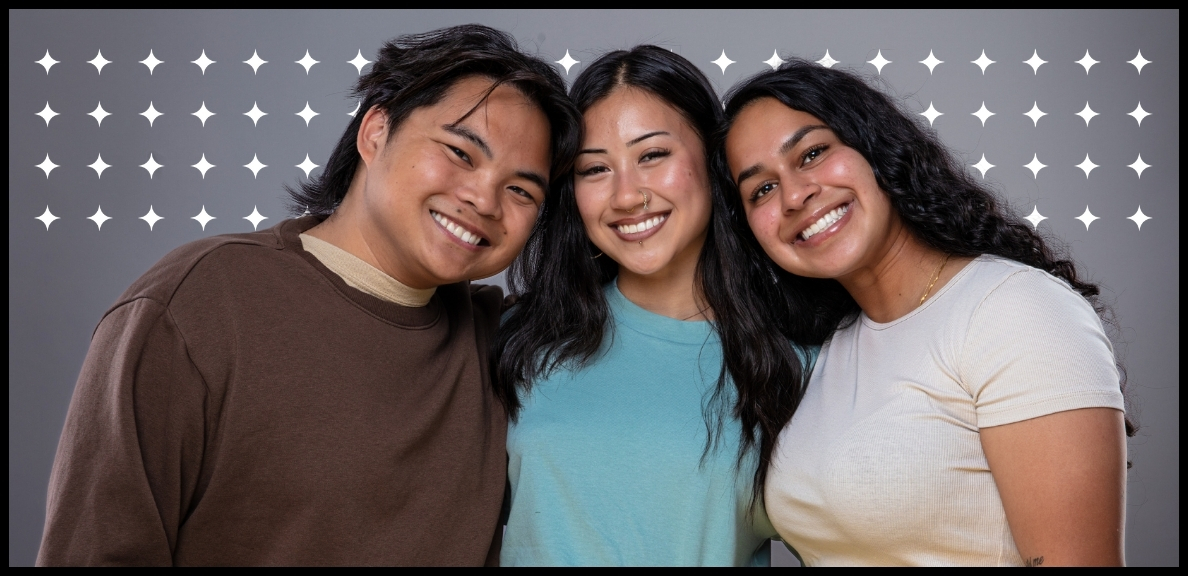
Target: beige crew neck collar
<point>364,277</point>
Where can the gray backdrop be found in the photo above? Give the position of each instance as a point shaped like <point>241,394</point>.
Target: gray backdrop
<point>61,279</point>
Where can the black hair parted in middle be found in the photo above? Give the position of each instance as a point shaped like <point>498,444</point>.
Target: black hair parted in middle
<point>561,316</point>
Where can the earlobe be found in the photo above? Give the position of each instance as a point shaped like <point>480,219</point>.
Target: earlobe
<point>373,133</point>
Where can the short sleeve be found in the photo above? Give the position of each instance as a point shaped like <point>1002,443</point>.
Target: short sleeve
<point>1035,347</point>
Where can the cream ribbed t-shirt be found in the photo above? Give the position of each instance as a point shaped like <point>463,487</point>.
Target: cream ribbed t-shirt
<point>882,463</point>
<point>360,275</point>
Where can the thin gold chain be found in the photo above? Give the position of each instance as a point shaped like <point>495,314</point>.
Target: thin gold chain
<point>934,278</point>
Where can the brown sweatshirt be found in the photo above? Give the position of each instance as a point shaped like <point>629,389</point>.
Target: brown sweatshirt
<point>241,404</point>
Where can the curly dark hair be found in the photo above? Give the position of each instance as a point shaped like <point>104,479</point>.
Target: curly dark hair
<point>937,199</point>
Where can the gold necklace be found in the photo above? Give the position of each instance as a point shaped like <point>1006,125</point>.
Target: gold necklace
<point>935,276</point>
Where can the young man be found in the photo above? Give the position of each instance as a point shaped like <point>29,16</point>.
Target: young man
<point>317,393</point>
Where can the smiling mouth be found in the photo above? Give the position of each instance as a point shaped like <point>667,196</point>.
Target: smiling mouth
<point>459,232</point>
<point>829,219</point>
<point>637,231</point>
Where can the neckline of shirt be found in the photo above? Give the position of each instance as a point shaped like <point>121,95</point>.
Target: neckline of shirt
<point>631,315</point>
<point>359,274</point>
<point>940,294</point>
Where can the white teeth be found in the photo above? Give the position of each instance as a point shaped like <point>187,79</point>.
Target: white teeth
<point>642,226</point>
<point>456,230</point>
<point>825,222</point>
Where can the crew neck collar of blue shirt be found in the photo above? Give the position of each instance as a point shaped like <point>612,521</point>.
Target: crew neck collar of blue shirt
<point>630,315</point>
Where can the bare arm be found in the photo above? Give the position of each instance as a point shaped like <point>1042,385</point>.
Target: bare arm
<point>1062,478</point>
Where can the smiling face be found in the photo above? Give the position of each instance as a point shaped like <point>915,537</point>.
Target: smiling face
<point>445,200</point>
<point>636,146</point>
<point>812,202</point>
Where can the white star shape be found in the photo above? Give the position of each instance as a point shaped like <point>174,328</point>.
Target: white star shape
<point>47,217</point>
<point>151,166</point>
<point>307,166</point>
<point>931,61</point>
<point>151,113</point>
<point>983,166</point>
<point>46,166</point>
<point>203,113</point>
<point>1087,113</point>
<point>1035,165</point>
<point>255,166</point>
<point>1087,166</point>
<point>48,113</point>
<point>98,114</point>
<point>1138,113</point>
<point>98,62</point>
<point>983,62</point>
<point>1035,62</point>
<point>151,62</point>
<point>151,217</point>
<point>46,62</point>
<point>255,218</point>
<point>1087,61</point>
<point>307,114</point>
<point>931,114</point>
<point>1138,217</point>
<point>203,166</point>
<point>255,62</point>
<point>775,60</point>
<point>99,166</point>
<point>1138,62</point>
<point>878,62</point>
<point>255,114</point>
<point>99,218</point>
<point>983,114</point>
<point>359,62</point>
<point>356,110</point>
<point>307,62</point>
<point>827,60</point>
<point>203,218</point>
<point>203,62</point>
<point>1138,166</point>
<point>1035,217</point>
<point>1035,113</point>
<point>567,61</point>
<point>1087,218</point>
<point>723,62</point>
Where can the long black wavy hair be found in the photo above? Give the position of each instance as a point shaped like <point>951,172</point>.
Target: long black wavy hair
<point>561,316</point>
<point>937,199</point>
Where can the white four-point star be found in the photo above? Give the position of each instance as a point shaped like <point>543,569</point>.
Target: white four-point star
<point>356,110</point>
<point>1087,217</point>
<point>567,62</point>
<point>983,166</point>
<point>775,60</point>
<point>99,218</point>
<point>203,62</point>
<point>48,113</point>
<point>151,166</point>
<point>203,113</point>
<point>307,114</point>
<point>151,113</point>
<point>151,62</point>
<point>255,114</point>
<point>931,62</point>
<point>307,166</point>
<point>255,166</point>
<point>723,62</point>
<point>255,218</point>
<point>1138,166</point>
<point>1035,114</point>
<point>98,114</point>
<point>1087,62</point>
<point>1087,113</point>
<point>1138,62</point>
<point>983,62</point>
<point>1035,62</point>
<point>151,217</point>
<point>46,166</point>
<point>1138,218</point>
<point>46,62</point>
<point>203,166</point>
<point>255,62</point>
<point>878,62</point>
<point>47,217</point>
<point>931,114</point>
<point>1086,166</point>
<point>983,114</point>
<point>98,62</point>
<point>203,218</point>
<point>827,60</point>
<point>99,166</point>
<point>1138,113</point>
<point>359,62</point>
<point>1035,165</point>
<point>307,62</point>
<point>1035,217</point>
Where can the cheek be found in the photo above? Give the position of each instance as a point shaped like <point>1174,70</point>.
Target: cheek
<point>591,202</point>
<point>765,223</point>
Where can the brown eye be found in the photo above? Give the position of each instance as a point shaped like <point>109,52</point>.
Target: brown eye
<point>812,154</point>
<point>762,190</point>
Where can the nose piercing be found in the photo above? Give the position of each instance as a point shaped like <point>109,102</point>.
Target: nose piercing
<point>645,195</point>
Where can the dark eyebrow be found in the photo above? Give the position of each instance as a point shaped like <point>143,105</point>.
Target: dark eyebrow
<point>467,133</point>
<point>534,178</point>
<point>646,136</point>
<point>788,145</point>
<point>592,151</point>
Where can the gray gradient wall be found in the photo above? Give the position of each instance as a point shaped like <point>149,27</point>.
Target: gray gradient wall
<point>62,276</point>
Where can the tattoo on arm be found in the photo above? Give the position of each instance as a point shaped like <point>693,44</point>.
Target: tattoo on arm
<point>1033,562</point>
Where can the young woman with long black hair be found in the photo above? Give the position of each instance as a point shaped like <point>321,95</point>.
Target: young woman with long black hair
<point>968,408</point>
<point>645,378</point>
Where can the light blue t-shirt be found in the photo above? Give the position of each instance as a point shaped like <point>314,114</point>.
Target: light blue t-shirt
<point>605,462</point>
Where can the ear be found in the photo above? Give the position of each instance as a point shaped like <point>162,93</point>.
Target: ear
<point>373,134</point>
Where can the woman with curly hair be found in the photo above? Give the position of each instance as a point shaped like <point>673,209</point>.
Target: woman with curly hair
<point>968,407</point>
